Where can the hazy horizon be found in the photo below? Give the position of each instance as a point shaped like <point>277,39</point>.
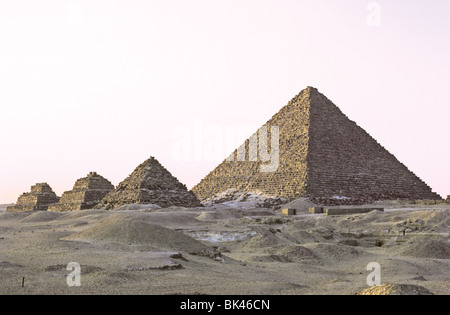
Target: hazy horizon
<point>103,85</point>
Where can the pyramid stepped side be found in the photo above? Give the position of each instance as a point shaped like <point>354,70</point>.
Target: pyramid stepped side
<point>93,181</point>
<point>39,198</point>
<point>289,180</point>
<point>344,160</point>
<point>41,188</point>
<point>86,194</point>
<point>150,183</point>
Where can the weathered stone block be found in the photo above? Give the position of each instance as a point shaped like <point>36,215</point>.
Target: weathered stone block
<point>289,211</point>
<point>315,210</point>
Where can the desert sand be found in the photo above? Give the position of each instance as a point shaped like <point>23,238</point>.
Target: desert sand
<point>223,249</point>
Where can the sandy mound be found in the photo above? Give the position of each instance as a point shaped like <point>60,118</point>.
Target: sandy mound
<point>306,223</point>
<point>272,220</point>
<point>267,258</point>
<point>14,215</point>
<point>219,215</point>
<point>42,216</point>
<point>173,219</point>
<point>296,253</point>
<point>304,237</point>
<point>333,252</point>
<point>260,241</point>
<point>395,289</point>
<point>426,248</point>
<point>305,231</point>
<point>120,229</point>
<point>86,214</point>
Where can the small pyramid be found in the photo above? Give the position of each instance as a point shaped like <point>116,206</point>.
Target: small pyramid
<point>320,153</point>
<point>39,199</point>
<point>150,183</point>
<point>86,194</point>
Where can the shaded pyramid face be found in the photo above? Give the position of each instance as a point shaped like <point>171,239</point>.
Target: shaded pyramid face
<point>150,183</point>
<point>316,152</point>
<point>86,194</point>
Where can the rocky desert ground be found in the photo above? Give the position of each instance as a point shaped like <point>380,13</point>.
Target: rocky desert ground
<point>224,249</point>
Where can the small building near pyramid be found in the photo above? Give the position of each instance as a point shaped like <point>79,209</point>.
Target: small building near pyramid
<point>150,183</point>
<point>39,199</point>
<point>86,194</point>
<point>311,149</point>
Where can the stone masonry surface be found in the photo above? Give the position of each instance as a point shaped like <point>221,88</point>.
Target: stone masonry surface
<point>150,183</point>
<point>324,156</point>
<point>86,194</point>
<point>39,199</point>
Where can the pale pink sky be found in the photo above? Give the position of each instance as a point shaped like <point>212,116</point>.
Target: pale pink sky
<point>102,85</point>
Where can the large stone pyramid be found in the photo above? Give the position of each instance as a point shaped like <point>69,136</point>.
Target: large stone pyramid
<point>39,199</point>
<point>321,154</point>
<point>86,194</point>
<point>150,183</point>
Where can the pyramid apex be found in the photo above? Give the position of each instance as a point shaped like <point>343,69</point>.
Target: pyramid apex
<point>310,89</point>
<point>151,160</point>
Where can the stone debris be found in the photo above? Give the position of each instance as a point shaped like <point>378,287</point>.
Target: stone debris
<point>39,199</point>
<point>238,199</point>
<point>395,289</point>
<point>315,210</point>
<point>288,211</point>
<point>323,155</point>
<point>150,183</point>
<point>86,194</point>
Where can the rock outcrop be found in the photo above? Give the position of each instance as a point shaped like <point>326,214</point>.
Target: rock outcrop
<point>39,199</point>
<point>86,194</point>
<point>322,155</point>
<point>150,183</point>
